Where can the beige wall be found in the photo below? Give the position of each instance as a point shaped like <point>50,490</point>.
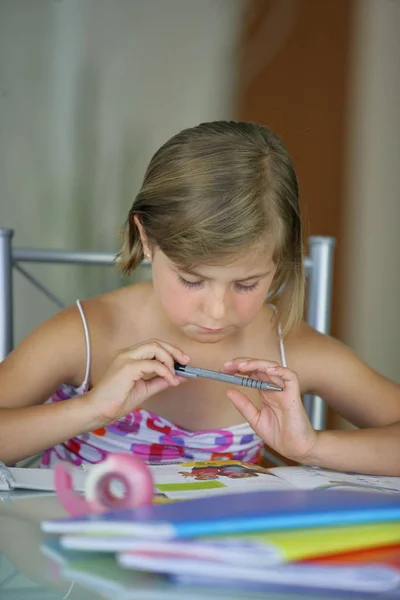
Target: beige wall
<point>89,89</point>
<point>370,315</point>
<point>294,78</point>
<point>326,76</point>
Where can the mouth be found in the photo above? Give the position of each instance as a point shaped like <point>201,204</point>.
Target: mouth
<point>208,330</point>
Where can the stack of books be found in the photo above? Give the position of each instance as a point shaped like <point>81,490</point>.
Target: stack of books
<point>312,540</point>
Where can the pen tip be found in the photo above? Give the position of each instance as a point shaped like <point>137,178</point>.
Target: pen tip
<point>276,388</point>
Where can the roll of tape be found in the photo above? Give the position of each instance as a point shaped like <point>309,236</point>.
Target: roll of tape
<point>120,481</point>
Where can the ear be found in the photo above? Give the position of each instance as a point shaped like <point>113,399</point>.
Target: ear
<point>143,237</point>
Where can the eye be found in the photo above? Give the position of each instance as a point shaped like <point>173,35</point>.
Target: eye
<point>247,288</point>
<point>190,284</point>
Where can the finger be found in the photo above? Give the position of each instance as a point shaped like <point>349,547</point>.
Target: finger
<point>268,377</point>
<point>283,372</point>
<point>251,368</point>
<point>237,365</point>
<point>161,351</point>
<point>289,377</point>
<point>260,365</point>
<point>149,345</point>
<point>231,366</point>
<point>176,352</point>
<point>245,407</point>
<point>141,368</point>
<point>155,385</point>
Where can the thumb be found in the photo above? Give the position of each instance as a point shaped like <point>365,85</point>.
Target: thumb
<point>245,407</point>
<point>152,386</point>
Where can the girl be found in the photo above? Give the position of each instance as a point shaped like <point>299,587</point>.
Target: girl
<point>218,216</point>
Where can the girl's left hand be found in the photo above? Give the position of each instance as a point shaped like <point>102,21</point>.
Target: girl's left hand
<point>281,421</point>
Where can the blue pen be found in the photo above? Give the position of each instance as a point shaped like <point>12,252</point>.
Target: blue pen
<point>193,372</point>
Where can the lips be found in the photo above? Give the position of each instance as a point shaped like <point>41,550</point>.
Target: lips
<point>208,330</point>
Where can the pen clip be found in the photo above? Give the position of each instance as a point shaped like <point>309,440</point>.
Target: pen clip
<point>185,374</point>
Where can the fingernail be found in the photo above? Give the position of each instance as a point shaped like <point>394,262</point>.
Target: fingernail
<point>186,357</point>
<point>242,364</point>
<point>272,368</point>
<point>228,363</point>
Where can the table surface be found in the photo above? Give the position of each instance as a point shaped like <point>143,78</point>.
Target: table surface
<point>27,574</point>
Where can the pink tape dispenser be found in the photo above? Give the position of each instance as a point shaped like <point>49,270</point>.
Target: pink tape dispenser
<point>120,481</point>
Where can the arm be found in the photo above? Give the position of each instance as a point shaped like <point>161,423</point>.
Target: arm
<point>55,354</point>
<point>52,354</point>
<point>375,451</point>
<point>329,369</point>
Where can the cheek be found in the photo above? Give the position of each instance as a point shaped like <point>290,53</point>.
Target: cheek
<point>249,304</point>
<point>175,299</point>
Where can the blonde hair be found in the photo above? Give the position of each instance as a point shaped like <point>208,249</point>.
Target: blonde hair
<point>214,191</point>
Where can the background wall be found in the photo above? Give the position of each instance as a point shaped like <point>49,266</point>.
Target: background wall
<point>88,90</point>
<point>325,76</point>
<point>370,305</point>
<point>294,78</point>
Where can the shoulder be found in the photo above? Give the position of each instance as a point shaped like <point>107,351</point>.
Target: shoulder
<point>328,368</point>
<point>309,352</point>
<point>305,338</point>
<point>115,311</point>
<point>55,351</point>
<point>52,354</point>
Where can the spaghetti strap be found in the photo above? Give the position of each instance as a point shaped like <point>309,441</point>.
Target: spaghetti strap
<point>282,347</point>
<point>85,382</point>
<point>281,343</point>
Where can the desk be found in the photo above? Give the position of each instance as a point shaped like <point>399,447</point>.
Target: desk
<point>26,574</point>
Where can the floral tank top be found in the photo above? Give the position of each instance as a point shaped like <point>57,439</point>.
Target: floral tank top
<point>151,437</point>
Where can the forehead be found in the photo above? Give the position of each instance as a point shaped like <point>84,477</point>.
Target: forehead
<point>238,266</point>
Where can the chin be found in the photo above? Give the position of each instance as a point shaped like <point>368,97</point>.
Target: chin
<point>208,338</point>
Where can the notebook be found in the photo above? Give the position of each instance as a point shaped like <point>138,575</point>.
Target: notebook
<point>254,511</point>
<point>12,478</point>
<point>387,555</point>
<point>363,578</point>
<point>102,572</point>
<point>189,480</point>
<point>254,549</point>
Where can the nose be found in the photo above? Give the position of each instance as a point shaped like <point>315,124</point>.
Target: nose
<point>215,305</point>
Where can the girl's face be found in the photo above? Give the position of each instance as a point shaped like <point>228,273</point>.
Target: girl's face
<point>211,303</point>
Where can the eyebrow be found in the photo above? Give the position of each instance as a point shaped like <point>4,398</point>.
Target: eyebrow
<point>256,276</point>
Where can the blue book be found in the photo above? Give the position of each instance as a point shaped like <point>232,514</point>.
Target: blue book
<point>234,513</point>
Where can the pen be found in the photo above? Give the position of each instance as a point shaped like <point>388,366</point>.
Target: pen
<point>193,372</point>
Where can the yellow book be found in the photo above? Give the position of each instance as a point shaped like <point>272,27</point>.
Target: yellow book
<point>301,544</point>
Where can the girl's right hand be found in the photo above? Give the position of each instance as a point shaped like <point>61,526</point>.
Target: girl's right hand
<point>133,376</point>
